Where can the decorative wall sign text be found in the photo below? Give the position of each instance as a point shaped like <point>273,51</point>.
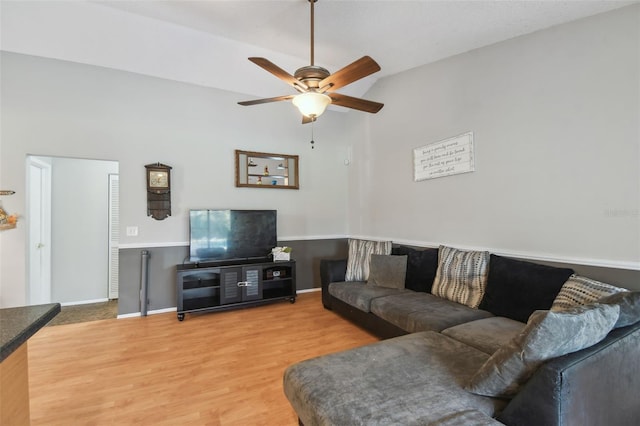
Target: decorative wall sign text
<point>444,158</point>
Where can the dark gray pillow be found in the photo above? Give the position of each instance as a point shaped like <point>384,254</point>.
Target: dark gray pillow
<point>387,271</point>
<point>629,303</point>
<point>547,335</point>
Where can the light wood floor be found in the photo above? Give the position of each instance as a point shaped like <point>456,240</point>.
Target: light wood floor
<point>220,368</point>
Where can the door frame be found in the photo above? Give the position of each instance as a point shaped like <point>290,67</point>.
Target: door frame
<point>39,276</point>
<point>114,236</point>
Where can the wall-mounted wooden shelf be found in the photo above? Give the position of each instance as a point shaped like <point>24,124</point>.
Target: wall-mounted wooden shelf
<point>5,226</point>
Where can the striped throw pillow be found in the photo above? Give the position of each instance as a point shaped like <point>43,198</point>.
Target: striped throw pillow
<point>360,252</point>
<point>577,291</point>
<point>461,276</point>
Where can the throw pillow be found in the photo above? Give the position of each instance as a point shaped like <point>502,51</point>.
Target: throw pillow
<point>461,276</point>
<point>360,252</point>
<point>421,267</point>
<point>582,291</point>
<point>629,303</point>
<point>516,288</point>
<point>387,271</point>
<point>547,335</point>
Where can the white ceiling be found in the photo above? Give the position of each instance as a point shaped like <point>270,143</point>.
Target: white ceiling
<point>399,34</point>
<point>207,42</point>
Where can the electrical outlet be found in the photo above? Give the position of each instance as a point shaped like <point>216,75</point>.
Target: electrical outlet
<point>132,231</point>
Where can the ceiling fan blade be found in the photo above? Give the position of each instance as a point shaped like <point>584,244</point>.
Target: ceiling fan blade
<point>266,100</point>
<point>355,103</point>
<point>279,72</point>
<point>355,71</point>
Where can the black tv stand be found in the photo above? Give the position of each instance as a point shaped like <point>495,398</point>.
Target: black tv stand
<point>207,287</point>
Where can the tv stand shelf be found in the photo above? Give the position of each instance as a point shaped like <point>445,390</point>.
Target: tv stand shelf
<point>210,287</point>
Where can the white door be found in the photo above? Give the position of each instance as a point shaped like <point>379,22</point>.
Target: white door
<point>114,234</point>
<point>39,230</point>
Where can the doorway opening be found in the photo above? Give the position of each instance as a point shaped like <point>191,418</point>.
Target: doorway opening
<point>73,232</point>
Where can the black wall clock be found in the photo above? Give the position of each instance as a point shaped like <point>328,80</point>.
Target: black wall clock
<point>158,191</point>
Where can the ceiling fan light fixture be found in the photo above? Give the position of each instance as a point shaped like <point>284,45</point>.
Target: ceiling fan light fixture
<point>311,104</point>
<point>312,82</point>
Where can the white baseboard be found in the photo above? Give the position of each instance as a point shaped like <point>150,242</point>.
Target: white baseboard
<point>153,312</point>
<point>84,302</point>
<point>309,290</point>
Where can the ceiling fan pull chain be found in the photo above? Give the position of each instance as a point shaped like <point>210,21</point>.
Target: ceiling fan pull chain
<point>312,142</point>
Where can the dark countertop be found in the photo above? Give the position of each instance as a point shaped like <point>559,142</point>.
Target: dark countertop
<point>17,325</point>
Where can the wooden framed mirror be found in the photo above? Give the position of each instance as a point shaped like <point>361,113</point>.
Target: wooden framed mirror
<point>266,170</point>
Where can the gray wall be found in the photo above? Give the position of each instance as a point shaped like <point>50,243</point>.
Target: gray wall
<point>624,278</point>
<point>162,284</point>
<point>163,261</point>
<point>555,117</point>
<point>307,254</point>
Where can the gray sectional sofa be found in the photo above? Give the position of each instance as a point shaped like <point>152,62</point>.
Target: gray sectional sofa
<point>444,363</point>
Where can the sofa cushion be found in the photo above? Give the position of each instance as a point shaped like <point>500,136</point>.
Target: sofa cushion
<point>415,311</point>
<point>360,252</point>
<point>387,271</point>
<point>415,379</point>
<point>461,276</point>
<point>421,267</point>
<point>547,335</point>
<point>516,288</point>
<point>579,290</point>
<point>629,303</point>
<point>487,334</point>
<point>359,294</point>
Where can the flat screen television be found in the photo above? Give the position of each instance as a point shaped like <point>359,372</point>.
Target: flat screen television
<point>219,235</point>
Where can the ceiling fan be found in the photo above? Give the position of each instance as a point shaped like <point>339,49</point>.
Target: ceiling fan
<point>316,85</point>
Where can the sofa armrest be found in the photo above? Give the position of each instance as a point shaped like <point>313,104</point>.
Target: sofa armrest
<point>595,386</point>
<point>331,270</point>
